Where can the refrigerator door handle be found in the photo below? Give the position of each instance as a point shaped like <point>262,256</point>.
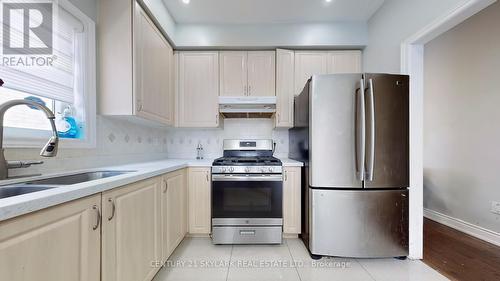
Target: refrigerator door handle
<point>360,131</point>
<point>371,142</point>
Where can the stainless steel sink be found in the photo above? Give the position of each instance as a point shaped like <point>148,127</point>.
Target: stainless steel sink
<point>77,178</point>
<point>54,182</point>
<point>15,190</point>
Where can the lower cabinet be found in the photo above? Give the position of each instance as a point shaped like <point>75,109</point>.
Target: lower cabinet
<point>199,185</point>
<point>139,227</point>
<point>58,243</point>
<point>292,200</point>
<point>173,211</point>
<point>131,232</point>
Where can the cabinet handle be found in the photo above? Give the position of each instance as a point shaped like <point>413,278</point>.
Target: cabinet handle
<point>286,175</point>
<point>113,209</point>
<point>249,90</point>
<point>217,119</point>
<point>166,187</point>
<point>207,177</point>
<point>98,217</point>
<point>245,90</point>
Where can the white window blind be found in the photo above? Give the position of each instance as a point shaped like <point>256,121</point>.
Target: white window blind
<point>54,82</point>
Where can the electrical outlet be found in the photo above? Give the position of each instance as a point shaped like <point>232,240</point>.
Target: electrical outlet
<point>495,207</point>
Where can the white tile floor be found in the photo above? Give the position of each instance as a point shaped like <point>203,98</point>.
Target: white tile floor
<point>197,259</point>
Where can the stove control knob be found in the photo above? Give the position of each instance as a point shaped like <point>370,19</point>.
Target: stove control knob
<point>231,169</point>
<point>263,170</point>
<point>247,170</point>
<point>223,170</point>
<point>271,170</point>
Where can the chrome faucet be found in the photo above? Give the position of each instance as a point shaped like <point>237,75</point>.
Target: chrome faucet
<point>49,150</point>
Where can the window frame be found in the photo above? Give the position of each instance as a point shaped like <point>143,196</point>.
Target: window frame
<point>30,138</point>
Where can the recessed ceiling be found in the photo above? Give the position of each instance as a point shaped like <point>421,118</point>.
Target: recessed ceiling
<point>271,11</point>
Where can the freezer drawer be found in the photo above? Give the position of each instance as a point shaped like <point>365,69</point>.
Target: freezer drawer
<point>247,235</point>
<point>361,224</point>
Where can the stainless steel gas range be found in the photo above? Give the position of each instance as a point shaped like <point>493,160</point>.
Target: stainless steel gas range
<point>247,194</point>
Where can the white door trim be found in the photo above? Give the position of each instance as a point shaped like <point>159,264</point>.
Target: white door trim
<point>412,63</point>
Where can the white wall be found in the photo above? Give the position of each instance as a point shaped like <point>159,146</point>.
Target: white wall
<point>182,143</point>
<point>393,23</point>
<point>205,36</point>
<point>461,154</point>
<point>339,34</point>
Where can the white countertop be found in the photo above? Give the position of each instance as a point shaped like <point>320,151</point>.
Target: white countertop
<point>27,203</point>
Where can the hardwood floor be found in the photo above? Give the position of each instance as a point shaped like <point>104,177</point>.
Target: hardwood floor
<point>459,256</point>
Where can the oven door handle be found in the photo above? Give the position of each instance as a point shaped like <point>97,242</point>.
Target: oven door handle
<point>247,178</point>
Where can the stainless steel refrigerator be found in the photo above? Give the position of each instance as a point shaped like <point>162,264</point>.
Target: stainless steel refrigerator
<point>352,133</point>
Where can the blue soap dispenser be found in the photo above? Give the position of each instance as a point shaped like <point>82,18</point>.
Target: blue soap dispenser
<point>67,126</point>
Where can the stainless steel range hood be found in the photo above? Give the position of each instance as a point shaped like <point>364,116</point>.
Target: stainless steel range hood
<point>247,107</point>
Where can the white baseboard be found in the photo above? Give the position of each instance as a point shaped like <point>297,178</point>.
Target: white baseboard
<point>465,227</point>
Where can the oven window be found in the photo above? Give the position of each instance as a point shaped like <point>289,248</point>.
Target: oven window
<point>233,199</point>
<point>247,199</point>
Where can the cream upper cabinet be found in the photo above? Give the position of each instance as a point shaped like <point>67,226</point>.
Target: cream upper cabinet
<point>136,65</point>
<point>285,66</point>
<point>199,184</point>
<point>261,73</point>
<point>198,89</point>
<point>344,62</point>
<point>173,211</point>
<point>131,231</point>
<point>58,243</point>
<point>292,200</point>
<point>154,71</point>
<point>308,63</point>
<point>247,73</point>
<point>233,73</point>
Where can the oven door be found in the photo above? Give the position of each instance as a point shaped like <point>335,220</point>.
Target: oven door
<point>247,196</point>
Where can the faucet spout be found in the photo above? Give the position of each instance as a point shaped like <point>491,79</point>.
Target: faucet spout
<point>49,150</point>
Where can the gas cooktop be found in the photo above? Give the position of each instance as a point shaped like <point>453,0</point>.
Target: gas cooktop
<point>247,161</point>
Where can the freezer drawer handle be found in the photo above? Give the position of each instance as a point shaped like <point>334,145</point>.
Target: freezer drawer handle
<point>247,232</point>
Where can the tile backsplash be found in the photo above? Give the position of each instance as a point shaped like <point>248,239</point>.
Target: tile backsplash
<point>182,143</point>
<point>121,142</point>
<point>118,142</point>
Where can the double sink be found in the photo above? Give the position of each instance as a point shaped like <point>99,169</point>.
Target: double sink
<point>55,182</point>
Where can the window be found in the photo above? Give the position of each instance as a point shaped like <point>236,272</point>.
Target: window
<point>64,81</point>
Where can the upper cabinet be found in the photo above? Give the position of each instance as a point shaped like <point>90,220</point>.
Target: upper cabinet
<point>285,67</point>
<point>247,73</point>
<point>261,73</point>
<point>293,69</point>
<point>198,89</point>
<point>136,65</point>
<point>344,62</point>
<point>233,73</point>
<point>308,63</point>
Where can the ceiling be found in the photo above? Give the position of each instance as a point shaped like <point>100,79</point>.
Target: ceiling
<point>270,11</point>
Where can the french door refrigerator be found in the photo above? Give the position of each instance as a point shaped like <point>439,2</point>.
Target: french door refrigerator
<point>352,133</point>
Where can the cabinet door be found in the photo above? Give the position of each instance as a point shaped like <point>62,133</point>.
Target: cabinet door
<point>285,62</point>
<point>131,245</point>
<point>198,89</point>
<point>261,73</point>
<point>153,71</point>
<point>172,212</point>
<point>307,64</point>
<point>58,243</point>
<point>199,185</point>
<point>291,200</point>
<point>233,74</point>
<point>344,62</point>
